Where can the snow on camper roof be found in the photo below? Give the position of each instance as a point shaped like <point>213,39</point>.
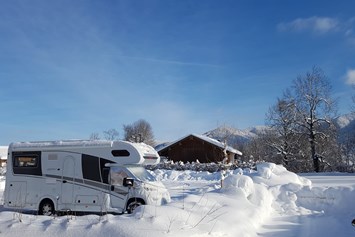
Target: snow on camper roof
<point>62,143</point>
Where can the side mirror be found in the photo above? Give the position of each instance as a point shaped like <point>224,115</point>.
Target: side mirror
<point>128,182</point>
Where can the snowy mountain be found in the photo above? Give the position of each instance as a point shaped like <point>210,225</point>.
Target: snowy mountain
<point>345,123</point>
<point>346,126</point>
<point>234,135</point>
<point>345,120</point>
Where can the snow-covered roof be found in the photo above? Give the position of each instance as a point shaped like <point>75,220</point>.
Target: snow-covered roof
<point>206,139</point>
<point>62,143</point>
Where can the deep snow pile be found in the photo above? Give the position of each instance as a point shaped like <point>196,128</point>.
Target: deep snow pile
<point>241,205</point>
<point>200,206</point>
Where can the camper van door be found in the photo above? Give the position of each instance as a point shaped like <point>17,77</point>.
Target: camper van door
<point>68,172</point>
<point>119,193</point>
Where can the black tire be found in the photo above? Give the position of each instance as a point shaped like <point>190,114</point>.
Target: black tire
<point>133,204</point>
<point>46,208</point>
<point>353,222</point>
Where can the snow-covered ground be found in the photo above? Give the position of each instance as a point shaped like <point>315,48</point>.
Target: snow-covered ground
<point>331,202</point>
<point>269,202</point>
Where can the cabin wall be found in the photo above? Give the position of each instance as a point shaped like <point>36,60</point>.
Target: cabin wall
<point>192,149</point>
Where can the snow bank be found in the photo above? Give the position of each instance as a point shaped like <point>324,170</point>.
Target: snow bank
<point>328,199</point>
<point>234,183</point>
<point>273,175</point>
<point>200,206</point>
<point>272,187</point>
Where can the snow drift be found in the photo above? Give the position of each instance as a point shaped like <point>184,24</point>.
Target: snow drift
<point>201,205</point>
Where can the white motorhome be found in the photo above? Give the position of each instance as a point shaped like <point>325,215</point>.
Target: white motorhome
<point>81,176</point>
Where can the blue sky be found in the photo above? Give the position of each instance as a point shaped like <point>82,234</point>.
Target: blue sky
<point>71,68</point>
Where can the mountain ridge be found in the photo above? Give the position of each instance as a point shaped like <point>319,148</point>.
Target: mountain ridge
<point>345,123</point>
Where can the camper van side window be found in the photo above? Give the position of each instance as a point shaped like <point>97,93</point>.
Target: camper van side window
<point>25,159</point>
<point>91,167</point>
<point>118,153</point>
<point>27,163</point>
<point>105,170</point>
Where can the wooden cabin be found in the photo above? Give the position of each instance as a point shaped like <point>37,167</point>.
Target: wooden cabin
<point>198,147</point>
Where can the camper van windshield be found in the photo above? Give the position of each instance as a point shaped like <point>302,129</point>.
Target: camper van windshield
<point>141,173</point>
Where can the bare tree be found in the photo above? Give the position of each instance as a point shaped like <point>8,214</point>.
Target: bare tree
<point>94,136</point>
<point>111,134</point>
<point>348,151</point>
<point>139,131</point>
<point>315,110</point>
<point>348,142</point>
<point>281,118</point>
<point>302,125</point>
<point>257,150</point>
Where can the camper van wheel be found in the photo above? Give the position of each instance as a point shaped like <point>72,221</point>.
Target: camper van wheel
<point>46,208</point>
<point>133,204</point>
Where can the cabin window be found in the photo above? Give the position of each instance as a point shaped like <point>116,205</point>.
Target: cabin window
<point>27,163</point>
<point>120,153</point>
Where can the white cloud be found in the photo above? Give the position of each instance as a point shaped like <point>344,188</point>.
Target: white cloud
<point>319,25</point>
<point>350,77</point>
